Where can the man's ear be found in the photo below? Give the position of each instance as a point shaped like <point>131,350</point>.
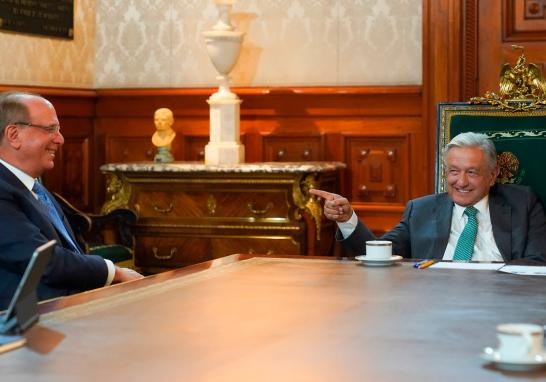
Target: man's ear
<point>11,136</point>
<point>494,174</point>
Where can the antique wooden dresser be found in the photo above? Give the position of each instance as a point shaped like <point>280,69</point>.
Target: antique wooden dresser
<point>189,212</point>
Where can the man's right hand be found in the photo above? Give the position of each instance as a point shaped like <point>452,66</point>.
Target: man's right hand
<point>336,207</point>
<point>126,274</point>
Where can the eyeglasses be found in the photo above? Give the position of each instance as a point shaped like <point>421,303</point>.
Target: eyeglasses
<point>53,129</point>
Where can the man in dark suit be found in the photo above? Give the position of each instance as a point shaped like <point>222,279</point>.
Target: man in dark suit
<point>30,138</point>
<point>502,222</point>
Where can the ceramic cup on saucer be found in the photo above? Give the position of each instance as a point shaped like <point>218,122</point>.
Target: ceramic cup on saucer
<point>519,341</point>
<point>378,249</point>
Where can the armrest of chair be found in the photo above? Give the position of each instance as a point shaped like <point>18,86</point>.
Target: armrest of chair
<point>107,235</point>
<point>114,227</point>
<point>79,221</point>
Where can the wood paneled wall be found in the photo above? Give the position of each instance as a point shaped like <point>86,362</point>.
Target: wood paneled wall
<point>520,23</point>
<point>376,131</point>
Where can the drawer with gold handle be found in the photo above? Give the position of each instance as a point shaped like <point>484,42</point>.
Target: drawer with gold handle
<point>252,207</point>
<point>163,210</point>
<point>169,256</point>
<point>213,204</point>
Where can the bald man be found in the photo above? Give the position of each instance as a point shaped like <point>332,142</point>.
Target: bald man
<point>30,139</point>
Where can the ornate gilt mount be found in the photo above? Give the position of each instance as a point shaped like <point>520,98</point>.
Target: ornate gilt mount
<point>119,192</point>
<point>521,87</point>
<point>305,202</point>
<point>211,205</point>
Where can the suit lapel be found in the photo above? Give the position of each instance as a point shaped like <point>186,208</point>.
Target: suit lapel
<point>64,220</point>
<point>16,183</point>
<point>8,176</point>
<point>442,213</point>
<point>31,206</point>
<point>46,223</point>
<point>501,221</point>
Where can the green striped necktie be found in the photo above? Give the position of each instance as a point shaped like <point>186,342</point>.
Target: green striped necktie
<point>465,245</point>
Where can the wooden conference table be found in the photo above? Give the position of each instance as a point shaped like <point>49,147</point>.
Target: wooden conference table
<point>245,318</point>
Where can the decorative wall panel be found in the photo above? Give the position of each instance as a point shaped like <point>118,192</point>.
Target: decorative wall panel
<point>379,42</point>
<point>75,161</point>
<point>495,39</point>
<point>292,148</point>
<point>159,43</point>
<point>130,149</point>
<point>524,20</point>
<point>288,42</point>
<point>379,166</point>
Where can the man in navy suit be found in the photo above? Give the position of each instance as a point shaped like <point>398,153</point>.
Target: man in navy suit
<point>30,138</point>
<point>511,224</point>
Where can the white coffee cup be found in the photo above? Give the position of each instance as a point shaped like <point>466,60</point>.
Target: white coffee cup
<point>378,249</point>
<point>519,341</point>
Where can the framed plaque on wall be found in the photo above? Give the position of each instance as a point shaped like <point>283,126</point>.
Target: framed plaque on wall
<point>46,18</point>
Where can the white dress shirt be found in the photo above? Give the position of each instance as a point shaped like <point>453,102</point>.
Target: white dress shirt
<point>28,181</point>
<point>485,248</point>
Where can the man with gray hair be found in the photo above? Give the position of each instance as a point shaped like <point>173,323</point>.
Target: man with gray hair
<point>475,220</point>
<point>30,139</point>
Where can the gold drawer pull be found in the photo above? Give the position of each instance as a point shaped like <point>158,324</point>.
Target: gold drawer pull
<point>252,252</point>
<point>164,210</point>
<point>155,251</point>
<point>252,208</point>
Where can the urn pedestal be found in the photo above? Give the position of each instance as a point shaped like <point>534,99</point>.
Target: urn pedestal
<point>223,46</point>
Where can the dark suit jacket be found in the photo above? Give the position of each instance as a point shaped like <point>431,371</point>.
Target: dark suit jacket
<point>23,227</point>
<point>517,218</point>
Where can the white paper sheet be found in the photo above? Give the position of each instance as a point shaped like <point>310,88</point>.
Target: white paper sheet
<point>458,265</point>
<point>524,270</point>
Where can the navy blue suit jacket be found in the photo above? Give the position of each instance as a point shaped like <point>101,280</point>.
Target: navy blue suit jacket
<point>517,218</point>
<point>23,227</point>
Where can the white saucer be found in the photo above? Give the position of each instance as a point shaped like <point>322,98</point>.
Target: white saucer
<point>379,262</point>
<point>534,362</point>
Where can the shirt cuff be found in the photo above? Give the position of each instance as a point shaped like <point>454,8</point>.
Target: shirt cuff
<point>111,272</point>
<point>348,227</point>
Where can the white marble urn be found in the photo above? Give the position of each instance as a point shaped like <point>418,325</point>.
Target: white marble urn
<point>223,45</point>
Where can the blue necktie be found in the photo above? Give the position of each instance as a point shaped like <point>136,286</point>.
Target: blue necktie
<point>465,244</point>
<point>53,214</point>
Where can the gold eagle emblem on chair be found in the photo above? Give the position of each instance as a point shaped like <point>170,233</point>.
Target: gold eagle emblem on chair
<point>521,87</point>
<point>521,81</point>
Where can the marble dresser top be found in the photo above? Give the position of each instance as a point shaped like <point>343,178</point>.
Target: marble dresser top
<point>273,167</point>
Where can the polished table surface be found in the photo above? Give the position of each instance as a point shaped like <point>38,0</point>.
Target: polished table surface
<point>246,318</point>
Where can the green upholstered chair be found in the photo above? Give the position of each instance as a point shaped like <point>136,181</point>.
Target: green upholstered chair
<point>519,137</point>
<point>107,235</point>
<point>515,120</point>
